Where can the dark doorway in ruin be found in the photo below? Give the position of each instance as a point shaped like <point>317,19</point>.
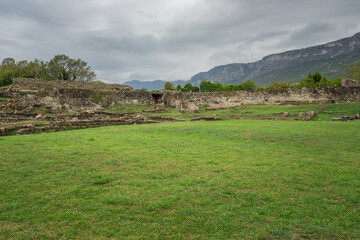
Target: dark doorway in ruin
<point>157,98</point>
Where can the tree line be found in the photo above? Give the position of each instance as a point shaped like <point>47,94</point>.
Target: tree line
<point>60,67</point>
<point>207,86</point>
<point>313,80</point>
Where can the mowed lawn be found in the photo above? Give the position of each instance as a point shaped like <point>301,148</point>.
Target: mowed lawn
<point>185,180</point>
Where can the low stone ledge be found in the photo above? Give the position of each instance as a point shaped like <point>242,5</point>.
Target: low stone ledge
<point>164,119</point>
<point>205,119</point>
<point>347,118</point>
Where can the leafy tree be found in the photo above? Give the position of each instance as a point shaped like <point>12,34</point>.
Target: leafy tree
<point>178,88</point>
<point>190,88</point>
<point>217,87</point>
<point>60,67</point>
<point>8,63</point>
<point>63,67</point>
<point>169,86</point>
<point>353,71</point>
<point>229,87</point>
<point>187,87</point>
<point>249,85</point>
<point>206,86</point>
<point>6,77</point>
<point>7,71</point>
<point>195,89</point>
<point>317,80</point>
<point>37,69</point>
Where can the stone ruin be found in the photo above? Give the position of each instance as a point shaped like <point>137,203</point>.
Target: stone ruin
<point>84,102</point>
<point>350,83</point>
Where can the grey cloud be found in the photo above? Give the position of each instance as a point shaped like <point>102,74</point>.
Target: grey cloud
<point>266,35</point>
<point>314,30</point>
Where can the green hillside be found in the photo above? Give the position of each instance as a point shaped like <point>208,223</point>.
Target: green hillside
<point>331,68</point>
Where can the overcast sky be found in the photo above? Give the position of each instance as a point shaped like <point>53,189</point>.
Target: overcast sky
<point>168,39</point>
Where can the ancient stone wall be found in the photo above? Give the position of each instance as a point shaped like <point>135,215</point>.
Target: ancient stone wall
<point>35,93</point>
<point>350,83</point>
<point>128,97</point>
<point>275,96</point>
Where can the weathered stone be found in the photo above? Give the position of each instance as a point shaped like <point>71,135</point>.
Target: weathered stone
<point>350,83</point>
<point>189,107</point>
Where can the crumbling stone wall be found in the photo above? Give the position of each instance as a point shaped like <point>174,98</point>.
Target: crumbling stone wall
<point>61,96</point>
<point>350,83</point>
<point>273,96</point>
<point>128,98</point>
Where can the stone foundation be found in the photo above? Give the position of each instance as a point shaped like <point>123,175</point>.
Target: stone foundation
<point>59,96</point>
<point>83,103</point>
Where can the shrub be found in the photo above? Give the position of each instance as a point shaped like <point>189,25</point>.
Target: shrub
<point>278,85</point>
<point>317,80</point>
<point>169,86</point>
<point>353,71</point>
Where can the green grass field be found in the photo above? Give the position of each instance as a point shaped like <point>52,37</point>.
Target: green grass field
<point>184,180</point>
<point>245,112</point>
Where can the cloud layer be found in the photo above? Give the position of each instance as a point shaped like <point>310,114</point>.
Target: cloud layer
<point>169,40</point>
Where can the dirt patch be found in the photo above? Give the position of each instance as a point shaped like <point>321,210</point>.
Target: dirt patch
<point>249,134</point>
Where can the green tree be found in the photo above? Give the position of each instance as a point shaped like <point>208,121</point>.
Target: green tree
<point>229,87</point>
<point>205,86</point>
<point>195,89</point>
<point>353,71</point>
<point>6,77</point>
<point>190,88</point>
<point>7,71</point>
<point>217,87</point>
<point>317,80</point>
<point>248,85</point>
<point>169,86</point>
<point>178,88</point>
<point>62,67</point>
<point>8,63</point>
<point>187,87</point>
<point>37,69</point>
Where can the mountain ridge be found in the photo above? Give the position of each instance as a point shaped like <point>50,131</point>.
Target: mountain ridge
<point>329,59</point>
<point>239,72</point>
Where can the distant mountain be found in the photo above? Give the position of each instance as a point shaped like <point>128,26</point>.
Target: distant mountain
<point>152,85</point>
<point>329,59</point>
